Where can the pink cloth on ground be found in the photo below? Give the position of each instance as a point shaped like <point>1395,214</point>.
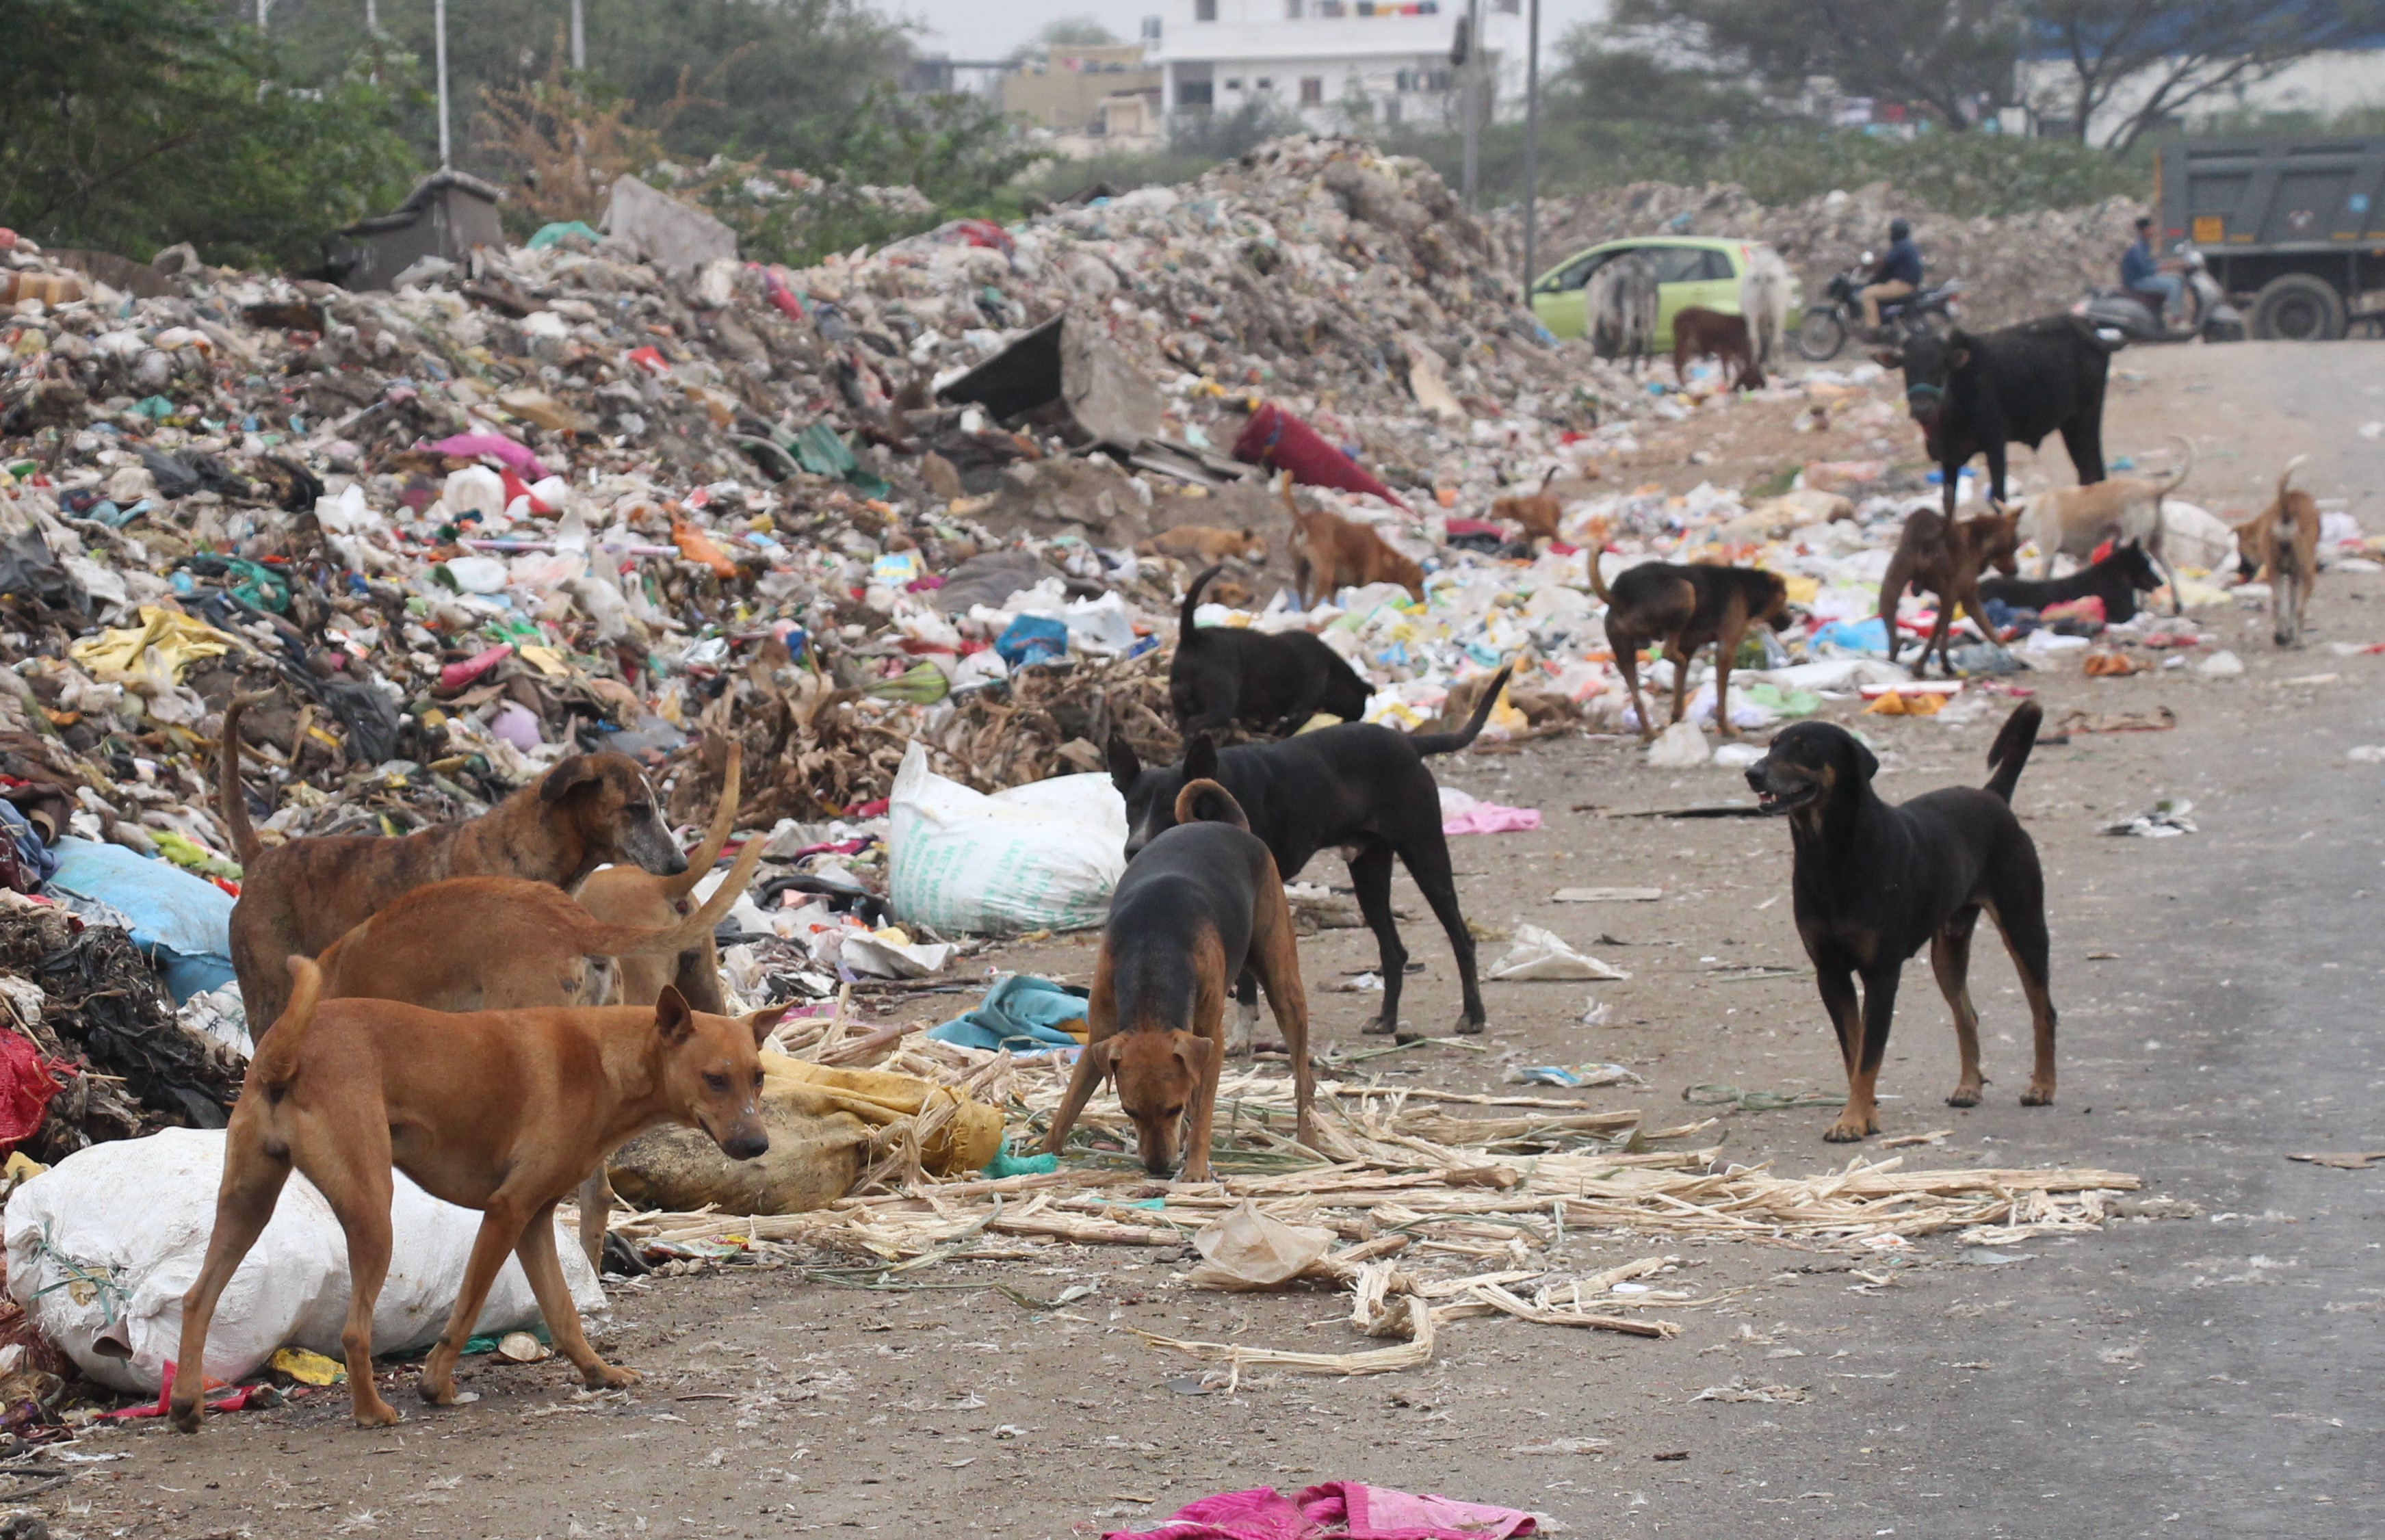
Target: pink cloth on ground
<point>1461,814</point>
<point>1350,1509</point>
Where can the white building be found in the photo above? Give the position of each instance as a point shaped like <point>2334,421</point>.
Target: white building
<point>1335,62</point>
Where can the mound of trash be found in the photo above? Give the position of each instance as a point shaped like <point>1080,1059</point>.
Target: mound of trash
<point>2013,267</point>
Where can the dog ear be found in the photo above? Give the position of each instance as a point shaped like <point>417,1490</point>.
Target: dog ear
<point>673,1018</point>
<point>1201,758</point>
<point>1101,1054</point>
<point>1866,762</point>
<point>581,770</point>
<point>1125,764</point>
<point>1193,1051</point>
<point>1890,357</point>
<point>766,1022</point>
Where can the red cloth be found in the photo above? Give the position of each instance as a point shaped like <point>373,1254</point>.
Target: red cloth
<point>25,1090</point>
<point>1276,439</point>
<point>1337,1509</point>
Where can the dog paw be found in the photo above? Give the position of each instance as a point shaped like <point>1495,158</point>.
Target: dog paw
<point>1964,1095</point>
<point>605,1376</point>
<point>376,1413</point>
<point>1467,1028</point>
<point>1844,1132</point>
<point>2038,1096</point>
<point>1378,1029</point>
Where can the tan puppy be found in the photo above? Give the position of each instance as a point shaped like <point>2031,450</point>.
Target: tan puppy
<point>1203,546</point>
<point>1538,512</point>
<point>2073,520</point>
<point>1197,905</point>
<point>502,1112</point>
<point>1330,552</point>
<point>2282,542</point>
<point>632,896</point>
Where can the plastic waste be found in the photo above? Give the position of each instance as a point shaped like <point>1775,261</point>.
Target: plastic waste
<point>1680,746</point>
<point>1537,954</point>
<point>1244,1250</point>
<point>182,923</point>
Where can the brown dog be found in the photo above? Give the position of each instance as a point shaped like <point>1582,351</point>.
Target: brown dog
<point>2282,542</point>
<point>1203,546</point>
<point>1538,512</point>
<point>502,1110</point>
<point>1330,552</point>
<point>503,944</point>
<point>1685,608</point>
<point>1197,905</point>
<point>1698,332</point>
<point>1948,560</point>
<point>632,896</point>
<point>300,897</point>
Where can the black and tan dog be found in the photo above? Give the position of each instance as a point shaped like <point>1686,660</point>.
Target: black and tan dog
<point>1202,903</point>
<point>1360,787</point>
<point>1873,883</point>
<point>1947,558</point>
<point>1685,607</point>
<point>1273,681</point>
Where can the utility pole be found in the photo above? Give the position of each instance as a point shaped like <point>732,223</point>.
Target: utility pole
<point>1469,80</point>
<point>264,10</point>
<point>439,36</point>
<point>373,17</point>
<point>579,35</point>
<point>1532,147</point>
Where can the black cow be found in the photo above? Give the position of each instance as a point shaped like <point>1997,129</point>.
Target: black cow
<point>1973,394</point>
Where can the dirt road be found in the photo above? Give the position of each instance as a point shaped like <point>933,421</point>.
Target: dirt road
<point>2207,1376</point>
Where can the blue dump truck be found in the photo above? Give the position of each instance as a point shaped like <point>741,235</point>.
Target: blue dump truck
<point>2292,229</point>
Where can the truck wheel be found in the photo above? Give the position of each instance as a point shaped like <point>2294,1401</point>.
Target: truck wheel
<point>2298,308</point>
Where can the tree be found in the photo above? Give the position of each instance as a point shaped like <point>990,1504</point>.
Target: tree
<point>2159,57</point>
<point>130,125</point>
<point>1066,32</point>
<point>1944,56</point>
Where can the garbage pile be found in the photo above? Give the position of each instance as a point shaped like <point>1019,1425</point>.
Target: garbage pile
<point>2013,267</point>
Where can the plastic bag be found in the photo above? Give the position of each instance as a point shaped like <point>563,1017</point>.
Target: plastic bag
<point>1538,954</point>
<point>182,923</point>
<point>1038,857</point>
<point>1679,746</point>
<point>1245,1249</point>
<point>102,1245</point>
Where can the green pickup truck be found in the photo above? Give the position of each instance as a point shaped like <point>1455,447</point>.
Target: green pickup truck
<point>1691,270</point>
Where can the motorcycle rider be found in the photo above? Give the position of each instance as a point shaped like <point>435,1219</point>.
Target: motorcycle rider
<point>2140,271</point>
<point>1897,273</point>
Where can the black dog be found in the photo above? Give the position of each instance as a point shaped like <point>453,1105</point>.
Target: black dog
<point>1359,786</point>
<point>1872,882</point>
<point>2116,580</point>
<point>1273,679</point>
<point>1974,395</point>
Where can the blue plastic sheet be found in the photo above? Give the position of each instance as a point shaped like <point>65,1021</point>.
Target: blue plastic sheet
<point>1021,1012</point>
<point>181,922</point>
<point>1032,639</point>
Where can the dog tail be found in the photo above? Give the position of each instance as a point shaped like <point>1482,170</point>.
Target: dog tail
<point>1205,801</point>
<point>276,1064</point>
<point>634,941</point>
<point>1594,548</point>
<point>2010,751</point>
<point>2186,469</point>
<point>700,859</point>
<point>244,842</point>
<point>1184,626</point>
<point>1450,742</point>
<point>2286,477</point>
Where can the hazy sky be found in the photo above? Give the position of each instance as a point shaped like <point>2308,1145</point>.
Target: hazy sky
<point>989,29</point>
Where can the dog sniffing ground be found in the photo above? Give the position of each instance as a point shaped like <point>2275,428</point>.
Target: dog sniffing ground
<point>2179,1376</point>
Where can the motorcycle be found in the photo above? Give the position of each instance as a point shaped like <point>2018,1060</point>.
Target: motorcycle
<point>1824,333</point>
<point>2133,315</point>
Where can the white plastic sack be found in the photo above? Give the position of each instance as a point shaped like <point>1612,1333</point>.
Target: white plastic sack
<point>1538,954</point>
<point>1679,746</point>
<point>102,1245</point>
<point>2193,539</point>
<point>1039,856</point>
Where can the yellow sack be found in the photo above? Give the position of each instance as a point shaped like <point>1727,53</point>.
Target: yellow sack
<point>181,641</point>
<point>879,1098</point>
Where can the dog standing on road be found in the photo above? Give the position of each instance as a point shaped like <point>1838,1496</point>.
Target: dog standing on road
<point>1947,558</point>
<point>1360,787</point>
<point>1685,607</point>
<point>1872,882</point>
<point>502,1112</point>
<point>300,897</point>
<point>2281,541</point>
<point>1202,903</point>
